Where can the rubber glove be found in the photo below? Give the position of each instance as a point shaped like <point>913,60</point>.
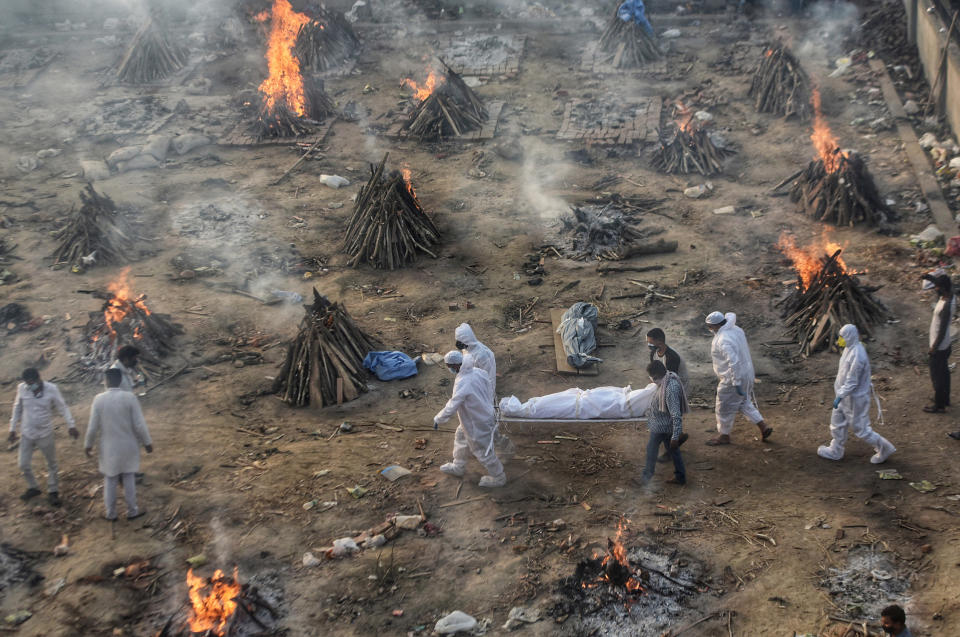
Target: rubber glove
<point>739,391</point>
<point>836,402</point>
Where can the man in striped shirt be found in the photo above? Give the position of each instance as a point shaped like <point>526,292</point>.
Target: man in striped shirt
<point>666,422</point>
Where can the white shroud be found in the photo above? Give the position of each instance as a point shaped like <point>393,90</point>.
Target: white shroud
<point>579,404</point>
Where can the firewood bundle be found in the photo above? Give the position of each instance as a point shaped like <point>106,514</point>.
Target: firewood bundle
<point>328,348</point>
<point>150,56</point>
<point>388,227</point>
<point>846,196</point>
<point>815,312</point>
<point>281,121</point>
<point>451,110</point>
<point>97,229</point>
<point>325,42</point>
<point>628,44</point>
<point>690,150</point>
<point>781,86</point>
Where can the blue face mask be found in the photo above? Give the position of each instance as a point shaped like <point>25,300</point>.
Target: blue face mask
<point>33,386</point>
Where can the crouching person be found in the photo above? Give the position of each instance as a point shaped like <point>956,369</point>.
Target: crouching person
<point>472,401</point>
<point>117,420</point>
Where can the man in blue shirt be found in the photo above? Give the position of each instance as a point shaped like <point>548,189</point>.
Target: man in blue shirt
<point>894,621</point>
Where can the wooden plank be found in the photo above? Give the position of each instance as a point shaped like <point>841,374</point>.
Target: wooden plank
<point>653,119</point>
<point>563,367</point>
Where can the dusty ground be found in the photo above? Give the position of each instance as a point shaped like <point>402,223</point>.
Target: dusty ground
<point>231,469</point>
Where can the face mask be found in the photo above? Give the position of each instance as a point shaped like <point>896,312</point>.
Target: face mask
<point>33,386</point>
<point>656,381</point>
<point>653,347</point>
<point>842,342</point>
<point>888,629</point>
<point>460,345</point>
<point>453,370</point>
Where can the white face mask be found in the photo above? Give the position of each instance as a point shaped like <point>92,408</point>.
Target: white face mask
<point>453,371</point>
<point>657,381</point>
<point>33,386</point>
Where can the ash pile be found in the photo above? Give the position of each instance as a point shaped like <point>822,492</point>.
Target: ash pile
<point>628,39</point>
<point>609,230</point>
<point>869,581</point>
<point>629,592</point>
<point>327,41</point>
<point>445,108</point>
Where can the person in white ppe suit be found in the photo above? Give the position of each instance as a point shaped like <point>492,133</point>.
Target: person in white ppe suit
<point>734,369</point>
<point>473,404</point>
<point>851,406</point>
<point>483,358</point>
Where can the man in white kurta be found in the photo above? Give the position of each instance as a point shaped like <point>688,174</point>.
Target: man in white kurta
<point>117,419</point>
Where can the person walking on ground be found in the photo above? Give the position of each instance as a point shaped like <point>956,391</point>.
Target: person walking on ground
<point>894,621</point>
<point>33,412</point>
<point>483,357</point>
<point>117,420</point>
<point>128,359</point>
<point>734,369</point>
<point>659,351</point>
<point>940,342</point>
<point>666,422</point>
<point>851,406</point>
<point>472,403</point>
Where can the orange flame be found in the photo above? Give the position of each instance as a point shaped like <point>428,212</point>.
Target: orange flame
<point>420,93</point>
<point>808,261</point>
<point>121,303</point>
<point>284,84</point>
<point>406,179</point>
<point>684,117</point>
<point>213,610</point>
<point>823,140</point>
<point>768,53</point>
<point>618,552</point>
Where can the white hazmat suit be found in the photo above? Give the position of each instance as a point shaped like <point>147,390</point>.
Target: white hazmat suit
<point>853,388</point>
<point>483,358</point>
<point>734,368</point>
<point>473,404</point>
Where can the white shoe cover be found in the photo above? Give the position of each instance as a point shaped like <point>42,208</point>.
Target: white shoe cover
<point>830,453</point>
<point>453,469</point>
<point>490,482</point>
<point>884,451</point>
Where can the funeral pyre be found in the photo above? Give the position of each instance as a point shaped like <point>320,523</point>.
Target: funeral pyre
<point>214,605</point>
<point>324,363</point>
<point>444,107</point>
<point>388,227</point>
<point>628,43</point>
<point>692,148</point>
<point>289,105</point>
<point>124,319</point>
<point>836,187</point>
<point>96,233</point>
<point>326,41</point>
<point>607,229</point>
<point>628,591</point>
<point>827,297</point>
<point>780,85</point>
<point>151,56</point>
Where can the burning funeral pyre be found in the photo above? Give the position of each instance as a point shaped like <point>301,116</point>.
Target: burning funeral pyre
<point>691,149</point>
<point>836,187</point>
<point>827,297</point>
<point>96,233</point>
<point>628,44</point>
<point>151,56</point>
<point>608,230</point>
<point>290,106</point>
<point>388,227</point>
<point>445,107</point>
<point>214,602</point>
<point>125,319</point>
<point>780,85</point>
<point>326,41</point>
<point>324,363</point>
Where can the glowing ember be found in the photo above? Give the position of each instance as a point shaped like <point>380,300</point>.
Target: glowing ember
<point>684,117</point>
<point>284,85</point>
<point>420,93</point>
<point>823,140</point>
<point>809,261</point>
<point>768,53</point>
<point>212,610</point>
<point>121,303</point>
<point>407,180</point>
<point>617,570</point>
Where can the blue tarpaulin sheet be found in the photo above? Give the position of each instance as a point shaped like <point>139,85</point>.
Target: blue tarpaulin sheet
<point>390,365</point>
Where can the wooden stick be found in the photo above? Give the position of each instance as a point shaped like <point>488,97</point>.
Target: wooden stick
<point>297,163</point>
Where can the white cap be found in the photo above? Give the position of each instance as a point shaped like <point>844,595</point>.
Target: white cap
<point>453,357</point>
<point>715,318</point>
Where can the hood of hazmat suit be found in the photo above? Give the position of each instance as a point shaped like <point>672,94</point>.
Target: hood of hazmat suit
<point>483,358</point>
<point>471,401</point>
<point>731,355</point>
<point>853,374</point>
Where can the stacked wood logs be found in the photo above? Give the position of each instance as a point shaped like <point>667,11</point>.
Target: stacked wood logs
<point>388,227</point>
<point>281,121</point>
<point>251,608</point>
<point>815,312</point>
<point>451,110</point>
<point>628,44</point>
<point>329,347</point>
<point>150,57</point>
<point>325,42</point>
<point>96,229</point>
<point>690,150</point>
<point>781,86</point>
<point>846,196</point>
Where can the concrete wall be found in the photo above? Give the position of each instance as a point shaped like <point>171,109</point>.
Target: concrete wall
<point>928,30</point>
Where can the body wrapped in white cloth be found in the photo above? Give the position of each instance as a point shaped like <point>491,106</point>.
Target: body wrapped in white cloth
<point>608,403</point>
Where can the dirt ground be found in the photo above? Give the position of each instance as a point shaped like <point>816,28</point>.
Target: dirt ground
<point>233,465</point>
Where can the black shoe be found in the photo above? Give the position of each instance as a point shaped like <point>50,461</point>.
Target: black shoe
<point>138,514</point>
<point>933,409</point>
<point>955,435</point>
<point>30,494</point>
<point>54,499</point>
